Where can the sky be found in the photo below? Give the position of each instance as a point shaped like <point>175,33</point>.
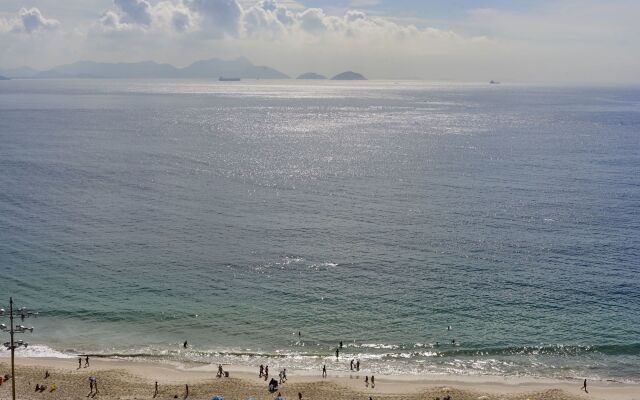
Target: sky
<point>455,40</point>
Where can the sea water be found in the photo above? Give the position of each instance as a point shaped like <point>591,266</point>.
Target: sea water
<point>265,222</point>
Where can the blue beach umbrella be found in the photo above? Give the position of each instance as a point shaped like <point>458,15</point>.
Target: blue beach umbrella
<point>217,398</point>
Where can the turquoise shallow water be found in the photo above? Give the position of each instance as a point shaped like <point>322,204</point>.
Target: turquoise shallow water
<point>137,214</point>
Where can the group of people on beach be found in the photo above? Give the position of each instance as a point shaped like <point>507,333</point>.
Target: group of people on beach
<point>42,387</point>
<point>264,372</point>
<point>86,362</point>
<point>373,381</point>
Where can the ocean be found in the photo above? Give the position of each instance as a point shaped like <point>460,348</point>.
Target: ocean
<point>267,221</point>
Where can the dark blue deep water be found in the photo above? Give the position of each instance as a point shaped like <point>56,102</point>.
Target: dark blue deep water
<point>137,214</point>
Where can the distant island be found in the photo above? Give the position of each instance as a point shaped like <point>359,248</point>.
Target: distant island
<point>212,68</point>
<point>4,78</point>
<point>311,75</point>
<point>349,76</point>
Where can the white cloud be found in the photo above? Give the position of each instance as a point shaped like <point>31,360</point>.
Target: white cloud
<point>174,16</point>
<point>218,17</point>
<point>180,20</point>
<point>134,11</point>
<point>32,20</point>
<point>312,20</point>
<point>29,20</point>
<point>142,16</point>
<point>111,21</point>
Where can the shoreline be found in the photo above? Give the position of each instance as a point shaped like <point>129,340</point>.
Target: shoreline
<point>141,375</point>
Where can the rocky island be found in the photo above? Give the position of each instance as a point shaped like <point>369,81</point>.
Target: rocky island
<point>311,75</point>
<point>349,76</point>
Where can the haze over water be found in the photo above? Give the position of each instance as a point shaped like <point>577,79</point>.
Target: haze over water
<point>135,215</point>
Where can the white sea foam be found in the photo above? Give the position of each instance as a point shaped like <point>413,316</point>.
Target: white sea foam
<point>37,350</point>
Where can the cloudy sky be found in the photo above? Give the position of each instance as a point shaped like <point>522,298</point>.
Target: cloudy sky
<point>469,40</point>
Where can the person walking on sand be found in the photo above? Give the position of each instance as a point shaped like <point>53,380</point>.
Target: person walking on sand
<point>324,370</point>
<point>366,381</point>
<point>337,353</point>
<point>93,386</point>
<point>584,386</point>
<point>86,362</point>
<point>299,395</point>
<point>373,382</point>
<point>79,362</point>
<point>155,393</point>
<point>261,371</point>
<point>186,391</point>
<point>358,365</point>
<point>266,372</point>
<point>351,365</point>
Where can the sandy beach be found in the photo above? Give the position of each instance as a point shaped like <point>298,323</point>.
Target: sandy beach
<point>125,379</point>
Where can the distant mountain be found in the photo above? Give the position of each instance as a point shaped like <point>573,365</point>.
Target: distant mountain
<point>205,69</point>
<point>311,75</point>
<point>349,76</point>
<point>3,78</point>
<point>90,69</point>
<point>238,68</point>
<point>20,72</point>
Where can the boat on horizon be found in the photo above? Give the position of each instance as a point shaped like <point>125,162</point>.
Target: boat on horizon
<point>494,82</point>
<point>223,79</point>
